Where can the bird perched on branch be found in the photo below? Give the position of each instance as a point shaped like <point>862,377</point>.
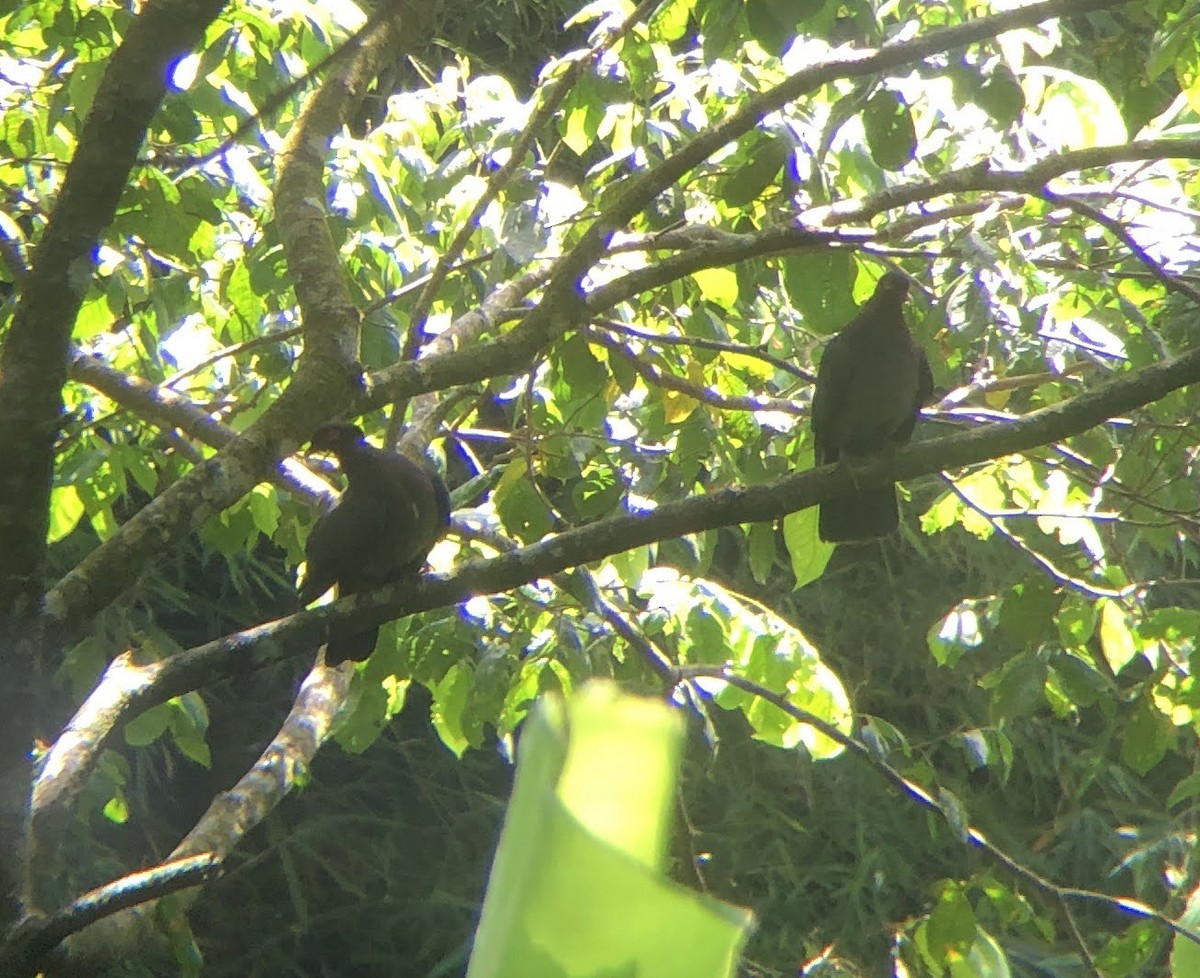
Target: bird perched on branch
<point>388,519</point>
<point>872,382</point>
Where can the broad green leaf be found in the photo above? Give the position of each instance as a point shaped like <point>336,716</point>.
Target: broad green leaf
<point>577,886</point>
<point>985,959</point>
<point>1116,639</point>
<point>1131,952</point>
<point>677,406</point>
<point>751,179</point>
<point>718,285</point>
<point>1027,613</point>
<point>820,286</point>
<point>520,508</point>
<point>1185,955</point>
<point>450,705</point>
<point>1145,737</point>
<point>891,134</point>
<point>950,928</point>
<point>581,370</point>
<point>147,727</point>
<point>1079,111</point>
<point>1185,790</point>
<point>1002,97</point>
<point>808,552</point>
<point>1018,687</point>
<point>117,809</point>
<point>66,509</point>
<point>760,543</point>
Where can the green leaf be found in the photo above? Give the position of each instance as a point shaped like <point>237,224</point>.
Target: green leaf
<point>1017,689</point>
<point>598,492</point>
<point>1129,953</point>
<point>1027,613</point>
<point>364,717</point>
<point>1146,737</point>
<point>1185,956</point>
<point>996,91</point>
<point>449,707</point>
<point>891,135</point>
<point>66,509</point>
<point>1116,639</point>
<point>808,552</point>
<point>94,318</point>
<point>718,285</point>
<point>116,809</point>
<point>706,636</point>
<point>264,509</point>
<point>379,345</point>
<point>760,542</point>
<point>950,928</point>
<point>522,511</point>
<point>584,374</point>
<point>1185,790</point>
<point>766,159</point>
<point>1076,621</point>
<point>577,887</point>
<point>189,725</point>
<point>819,284</point>
<point>984,960</point>
<point>1080,681</point>
<point>147,727</point>
<point>1080,112</point>
<point>772,23</point>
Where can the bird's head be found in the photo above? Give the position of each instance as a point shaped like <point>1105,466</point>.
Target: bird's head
<point>893,287</point>
<point>336,437</point>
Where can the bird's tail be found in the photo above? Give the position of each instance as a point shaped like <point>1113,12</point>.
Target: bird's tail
<point>356,645</point>
<point>860,514</point>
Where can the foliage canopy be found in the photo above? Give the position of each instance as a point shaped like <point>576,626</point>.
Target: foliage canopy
<point>598,298</point>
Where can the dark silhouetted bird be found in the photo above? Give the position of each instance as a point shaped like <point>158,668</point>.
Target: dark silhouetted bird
<point>872,382</point>
<point>388,519</point>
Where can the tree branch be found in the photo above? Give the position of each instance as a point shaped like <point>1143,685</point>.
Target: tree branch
<point>327,376</point>
<point>982,178</point>
<point>34,358</point>
<point>248,650</point>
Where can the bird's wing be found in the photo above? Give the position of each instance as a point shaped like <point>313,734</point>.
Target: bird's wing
<point>411,506</point>
<point>925,378</point>
<point>921,396</point>
<point>339,547</point>
<point>829,398</point>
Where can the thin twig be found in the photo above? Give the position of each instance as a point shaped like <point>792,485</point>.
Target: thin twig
<point>706,344</point>
<point>1114,227</point>
<point>656,377</point>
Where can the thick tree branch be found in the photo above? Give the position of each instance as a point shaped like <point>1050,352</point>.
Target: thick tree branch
<point>982,178</point>
<point>224,479</point>
<point>326,378</point>
<point>33,370</point>
<point>33,361</point>
<point>163,407</point>
<point>231,815</point>
<point>638,193</point>
<point>248,650</point>
<point>25,951</point>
